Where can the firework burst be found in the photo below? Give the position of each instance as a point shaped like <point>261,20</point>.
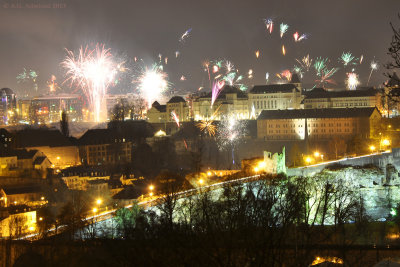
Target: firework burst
<point>269,23</point>
<point>320,65</point>
<point>352,81</point>
<point>347,59</point>
<point>374,66</point>
<point>216,90</point>
<point>92,71</point>
<point>305,63</point>
<point>152,83</point>
<point>283,29</point>
<point>326,75</point>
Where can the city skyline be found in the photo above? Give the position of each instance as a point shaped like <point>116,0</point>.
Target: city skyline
<point>38,37</point>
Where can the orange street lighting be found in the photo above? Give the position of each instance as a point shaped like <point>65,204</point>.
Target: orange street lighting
<point>201,181</point>
<point>209,173</point>
<point>308,160</point>
<point>40,219</point>
<point>372,148</point>
<point>385,142</point>
<point>316,154</point>
<point>151,187</point>
<point>94,210</point>
<point>98,201</point>
<point>255,169</point>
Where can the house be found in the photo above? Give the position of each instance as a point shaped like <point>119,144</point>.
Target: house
<point>30,195</point>
<point>61,151</point>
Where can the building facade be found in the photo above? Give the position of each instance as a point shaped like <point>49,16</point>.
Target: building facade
<point>318,123</point>
<point>230,102</point>
<point>273,97</point>
<point>48,109</point>
<point>321,98</point>
<point>8,106</point>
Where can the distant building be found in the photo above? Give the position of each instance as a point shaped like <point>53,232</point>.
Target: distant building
<point>6,140</point>
<point>8,106</point>
<point>392,96</point>
<point>48,109</point>
<point>125,100</point>
<point>178,105</point>
<point>321,98</point>
<point>300,124</point>
<point>60,150</point>
<point>163,113</point>
<point>274,97</point>
<point>82,178</point>
<point>230,102</point>
<point>22,195</point>
<point>17,224</point>
<point>104,146</point>
<point>157,113</point>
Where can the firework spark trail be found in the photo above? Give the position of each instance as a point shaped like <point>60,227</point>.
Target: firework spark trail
<point>305,63</point>
<point>152,83</point>
<point>207,125</point>
<point>283,29</point>
<point>361,58</point>
<point>216,90</point>
<point>326,75</point>
<point>320,65</point>
<point>347,59</point>
<point>374,66</point>
<point>296,36</point>
<point>269,23</point>
<point>298,70</point>
<point>185,35</point>
<point>175,117</point>
<point>352,81</point>
<point>52,83</point>
<point>286,74</point>
<point>93,71</point>
<point>283,50</point>
<point>230,131</point>
<point>257,53</point>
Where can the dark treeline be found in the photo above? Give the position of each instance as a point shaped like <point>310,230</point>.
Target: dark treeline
<point>272,222</point>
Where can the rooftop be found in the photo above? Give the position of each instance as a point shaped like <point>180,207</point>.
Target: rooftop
<point>176,99</point>
<point>316,113</point>
<point>274,88</point>
<point>322,93</point>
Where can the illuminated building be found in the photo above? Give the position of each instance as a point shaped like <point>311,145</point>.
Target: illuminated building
<point>162,113</point>
<point>321,98</point>
<point>17,224</point>
<point>126,100</point>
<point>231,102</point>
<point>300,124</point>
<point>104,146</point>
<point>8,105</point>
<point>274,97</point>
<point>48,109</point>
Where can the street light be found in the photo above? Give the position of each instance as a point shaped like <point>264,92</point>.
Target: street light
<point>95,210</point>
<point>316,154</point>
<point>99,201</point>
<point>201,181</point>
<point>255,169</point>
<point>209,173</point>
<point>151,187</point>
<point>308,160</point>
<point>372,148</point>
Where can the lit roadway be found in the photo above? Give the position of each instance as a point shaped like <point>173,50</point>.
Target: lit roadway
<point>105,215</point>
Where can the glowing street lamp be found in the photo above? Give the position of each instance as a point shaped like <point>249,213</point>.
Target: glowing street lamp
<point>94,210</point>
<point>99,201</point>
<point>201,181</point>
<point>316,154</point>
<point>151,187</point>
<point>308,160</point>
<point>256,169</point>
<point>372,148</point>
<point>209,173</point>
<point>385,142</point>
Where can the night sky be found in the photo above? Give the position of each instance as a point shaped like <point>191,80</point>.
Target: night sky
<point>35,38</point>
